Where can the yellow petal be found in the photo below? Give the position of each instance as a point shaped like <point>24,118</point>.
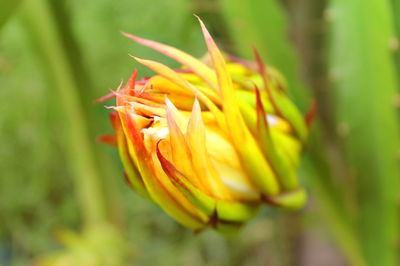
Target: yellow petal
<point>174,116</point>
<point>160,188</point>
<point>130,167</point>
<point>230,106</point>
<point>185,59</point>
<point>181,154</point>
<point>237,182</point>
<point>202,166</point>
<point>171,199</point>
<point>251,157</point>
<point>222,210</point>
<point>161,83</point>
<point>175,78</point>
<point>225,160</point>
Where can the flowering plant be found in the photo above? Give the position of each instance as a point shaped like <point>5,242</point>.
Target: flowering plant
<point>210,142</point>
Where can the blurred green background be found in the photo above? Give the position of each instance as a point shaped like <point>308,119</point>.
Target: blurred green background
<point>57,56</point>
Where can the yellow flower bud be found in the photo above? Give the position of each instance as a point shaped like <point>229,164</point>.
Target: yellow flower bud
<point>211,142</point>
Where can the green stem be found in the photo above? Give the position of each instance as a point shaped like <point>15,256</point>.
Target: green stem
<point>332,184</point>
<point>365,84</point>
<point>42,26</point>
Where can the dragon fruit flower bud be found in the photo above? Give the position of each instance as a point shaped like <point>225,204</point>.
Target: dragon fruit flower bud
<point>211,142</point>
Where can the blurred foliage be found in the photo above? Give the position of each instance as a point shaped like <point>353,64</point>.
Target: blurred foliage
<point>351,168</point>
<point>375,174</point>
<point>246,19</point>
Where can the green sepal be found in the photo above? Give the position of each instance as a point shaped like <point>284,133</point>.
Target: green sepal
<point>228,211</point>
<point>290,113</point>
<point>291,200</point>
<point>286,174</point>
<point>225,210</point>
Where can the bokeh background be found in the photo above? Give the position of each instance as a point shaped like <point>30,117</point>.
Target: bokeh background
<point>63,193</point>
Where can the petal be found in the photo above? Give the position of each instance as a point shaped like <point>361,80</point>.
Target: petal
<point>198,67</point>
<point>110,139</point>
<point>230,105</point>
<point>174,116</point>
<point>250,155</point>
<point>181,155</point>
<point>265,77</point>
<point>163,84</point>
<point>175,78</point>
<point>172,200</point>
<point>286,174</point>
<point>130,167</point>
<point>293,200</point>
<point>158,186</point>
<point>145,110</point>
<point>132,173</point>
<point>290,113</point>
<point>202,165</point>
<point>282,105</point>
<point>225,210</point>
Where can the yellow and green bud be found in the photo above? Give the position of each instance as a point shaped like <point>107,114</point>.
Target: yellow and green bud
<point>211,142</point>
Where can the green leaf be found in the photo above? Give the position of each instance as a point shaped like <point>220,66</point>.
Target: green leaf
<point>364,76</point>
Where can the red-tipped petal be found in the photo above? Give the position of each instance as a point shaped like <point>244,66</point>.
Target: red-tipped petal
<point>131,82</point>
<point>234,119</point>
<point>206,97</point>
<point>262,121</point>
<point>116,123</point>
<point>169,168</point>
<point>228,211</point>
<point>110,139</point>
<point>264,75</point>
<point>105,97</point>
<point>248,150</point>
<point>181,154</point>
<point>198,67</point>
<point>202,166</point>
<point>246,63</point>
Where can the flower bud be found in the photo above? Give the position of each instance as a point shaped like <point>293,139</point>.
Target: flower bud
<point>211,142</point>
